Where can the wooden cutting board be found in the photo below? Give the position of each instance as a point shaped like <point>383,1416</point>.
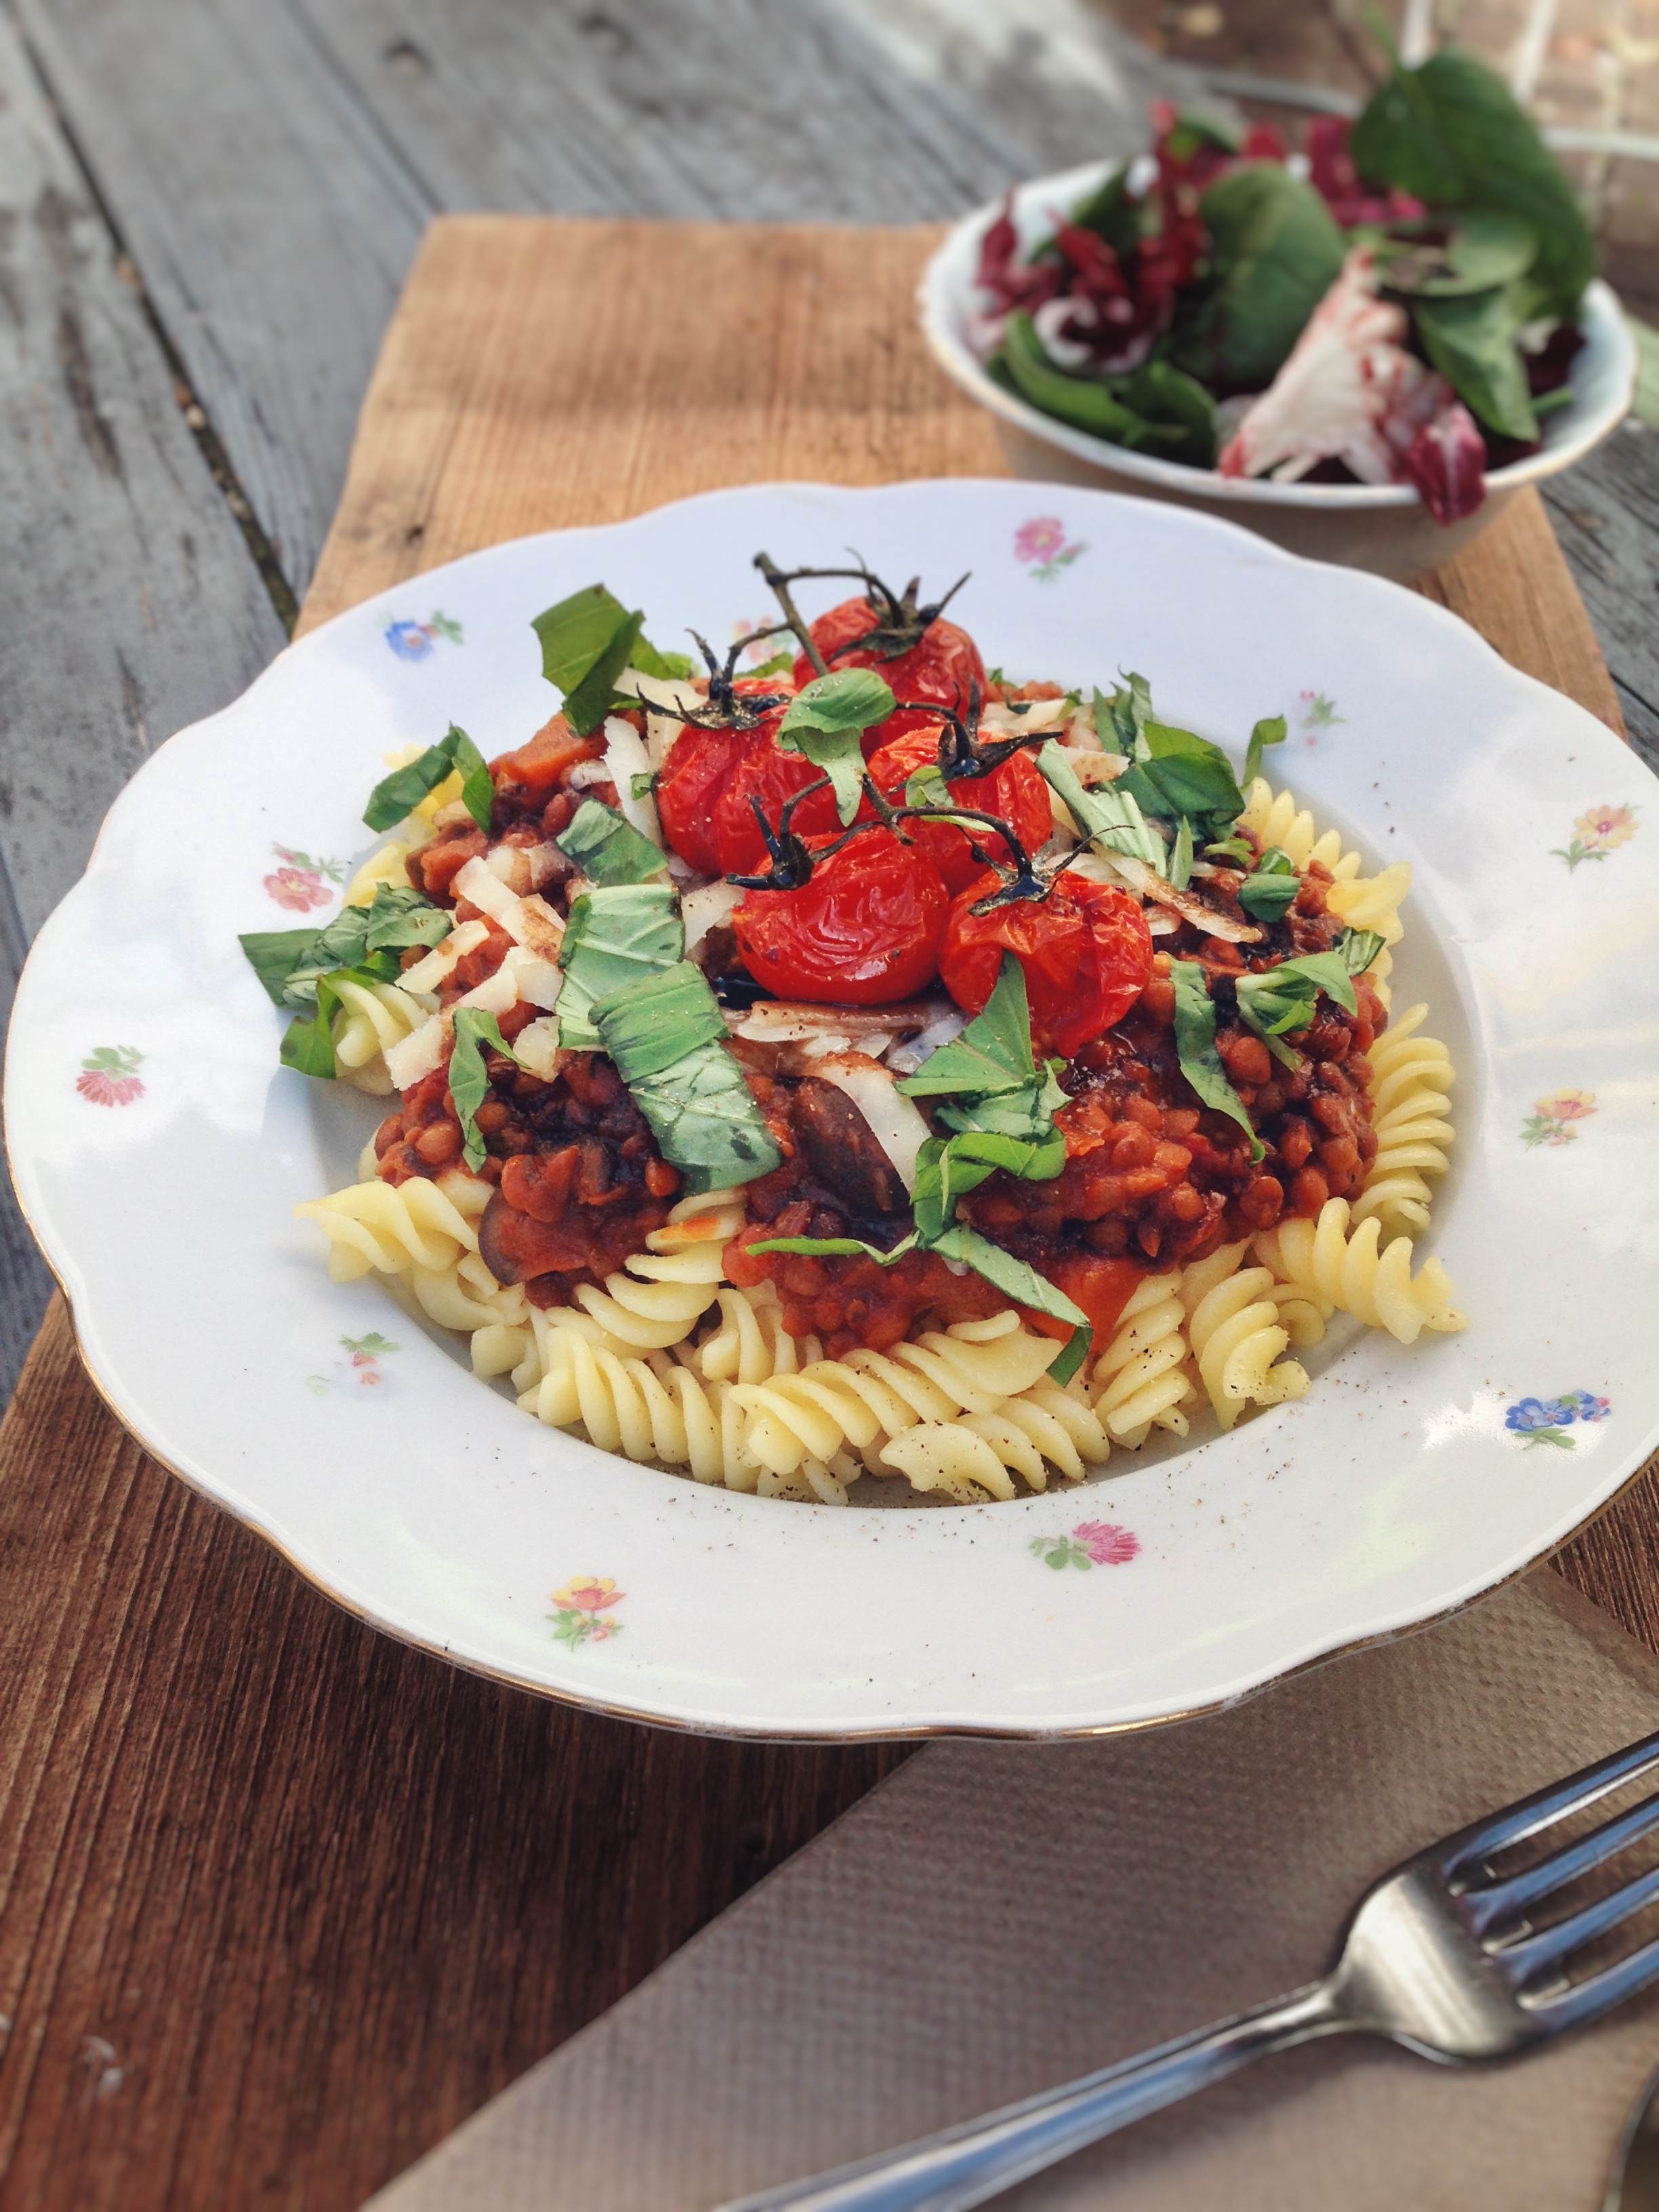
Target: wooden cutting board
<point>281,1902</point>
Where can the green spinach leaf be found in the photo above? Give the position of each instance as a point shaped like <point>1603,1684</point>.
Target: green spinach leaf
<point>1277,250</point>
<point>1472,341</point>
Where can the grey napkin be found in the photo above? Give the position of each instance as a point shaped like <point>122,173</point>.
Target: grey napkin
<point>999,1917</point>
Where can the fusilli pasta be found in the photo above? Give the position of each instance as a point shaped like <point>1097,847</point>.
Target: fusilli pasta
<point>1411,1076</point>
<point>1326,1260</point>
<point>1140,1377</point>
<point>371,1018</point>
<point>1233,1326</point>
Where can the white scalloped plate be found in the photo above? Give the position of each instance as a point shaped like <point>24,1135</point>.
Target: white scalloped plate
<point>159,1152</point>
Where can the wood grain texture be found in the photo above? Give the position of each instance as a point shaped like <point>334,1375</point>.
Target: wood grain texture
<point>273,161</point>
<point>1606,514</point>
<point>130,605</point>
<point>280,1901</point>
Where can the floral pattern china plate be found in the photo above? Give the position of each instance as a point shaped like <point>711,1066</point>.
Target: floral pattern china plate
<point>159,1152</point>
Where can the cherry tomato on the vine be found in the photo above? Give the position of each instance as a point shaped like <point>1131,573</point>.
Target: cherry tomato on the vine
<point>772,774</point>
<point>1085,950</point>
<point>942,666</point>
<point>695,778</point>
<point>1015,792</point>
<point>862,931</point>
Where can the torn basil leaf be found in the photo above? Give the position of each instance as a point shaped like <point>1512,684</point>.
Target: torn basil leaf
<point>616,936</point>
<point>705,1120</point>
<point>1231,849</point>
<point>1182,774</point>
<point>399,917</point>
<point>948,1168</point>
<point>308,1045</point>
<point>1284,998</point>
<point>1108,816</point>
<point>643,784</point>
<point>1200,1063</point>
<point>1181,860</point>
<point>273,955</point>
<point>993,1054</point>
<point>469,1079</point>
<point>1022,1284</point>
<point>402,792</point>
<point>1358,948</point>
<point>658,1020</point>
<point>1271,730</point>
<point>835,1248</point>
<point>587,642</point>
<point>825,722</point>
<point>1269,891</point>
<point>666,667</point>
<point>607,847</point>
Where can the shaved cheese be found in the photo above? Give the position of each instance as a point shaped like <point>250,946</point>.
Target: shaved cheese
<point>538,927</point>
<point>495,995</point>
<point>1039,714</point>
<point>535,1048</point>
<point>1098,867</point>
<point>786,1021</point>
<point>1090,765</point>
<point>417,1055</point>
<point>626,757</point>
<point>432,973</point>
<point>894,1121</point>
<point>585,773</point>
<point>905,1059</point>
<point>478,884</point>
<point>512,864</point>
<point>670,691</point>
<point>538,980</point>
<point>545,862</point>
<point>710,906</point>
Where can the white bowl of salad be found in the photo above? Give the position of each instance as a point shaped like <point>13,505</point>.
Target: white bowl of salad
<point>1362,350</point>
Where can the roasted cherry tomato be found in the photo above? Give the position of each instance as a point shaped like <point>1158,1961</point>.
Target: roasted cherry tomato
<point>1085,950</point>
<point>942,666</point>
<point>863,930</point>
<point>771,774</point>
<point>1015,792</point>
<point>695,777</point>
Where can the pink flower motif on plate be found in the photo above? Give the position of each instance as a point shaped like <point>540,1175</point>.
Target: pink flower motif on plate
<point>365,1353</point>
<point>110,1076</point>
<point>1600,831</point>
<point>583,1605</point>
<point>302,884</point>
<point>1552,1122</point>
<point>1041,541</point>
<point>1090,1544</point>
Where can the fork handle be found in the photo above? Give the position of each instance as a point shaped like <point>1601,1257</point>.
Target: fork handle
<point>963,2165</point>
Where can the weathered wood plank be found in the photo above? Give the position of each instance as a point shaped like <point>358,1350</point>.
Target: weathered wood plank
<point>1606,514</point>
<point>131,604</point>
<point>272,166</point>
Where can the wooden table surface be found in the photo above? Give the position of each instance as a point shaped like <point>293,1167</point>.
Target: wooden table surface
<point>281,1902</point>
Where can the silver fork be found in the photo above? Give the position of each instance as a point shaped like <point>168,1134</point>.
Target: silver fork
<point>1441,1955</point>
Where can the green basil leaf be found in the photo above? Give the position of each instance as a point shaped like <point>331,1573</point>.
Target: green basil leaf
<point>778,665</point>
<point>1472,341</point>
<point>993,1054</point>
<point>616,936</point>
<point>1271,730</point>
<point>1358,948</point>
<point>1130,709</point>
<point>1200,1063</point>
<point>308,1045</point>
<point>1452,133</point>
<point>1269,894</point>
<point>1107,816</point>
<point>469,1079</point>
<point>1231,848</point>
<point>825,721</point>
<point>400,917</point>
<point>607,847</point>
<point>829,1247</point>
<point>660,1018</point>
<point>273,955</point>
<point>576,633</point>
<point>1025,1287</point>
<point>643,784</point>
<point>1181,860</point>
<point>1276,250</point>
<point>667,667</point>
<point>705,1120</point>
<point>1286,997</point>
<point>1183,774</point>
<point>402,792</point>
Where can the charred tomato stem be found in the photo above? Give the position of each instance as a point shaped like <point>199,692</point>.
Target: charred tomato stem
<point>778,583</point>
<point>728,708</point>
<point>900,623</point>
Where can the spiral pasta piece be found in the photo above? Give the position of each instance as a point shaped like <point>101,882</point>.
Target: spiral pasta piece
<point>750,1343</point>
<point>1276,819</point>
<point>395,1227</point>
<point>1234,1329</point>
<point>1139,1378</point>
<point>1411,1076</point>
<point>668,1288</point>
<point>371,1018</point>
<point>1374,901</point>
<point>1348,1269</point>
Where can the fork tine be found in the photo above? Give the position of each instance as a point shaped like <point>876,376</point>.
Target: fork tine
<point>1494,1901</point>
<point>1521,1958</point>
<point>1516,1822</point>
<point>1598,1993</point>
